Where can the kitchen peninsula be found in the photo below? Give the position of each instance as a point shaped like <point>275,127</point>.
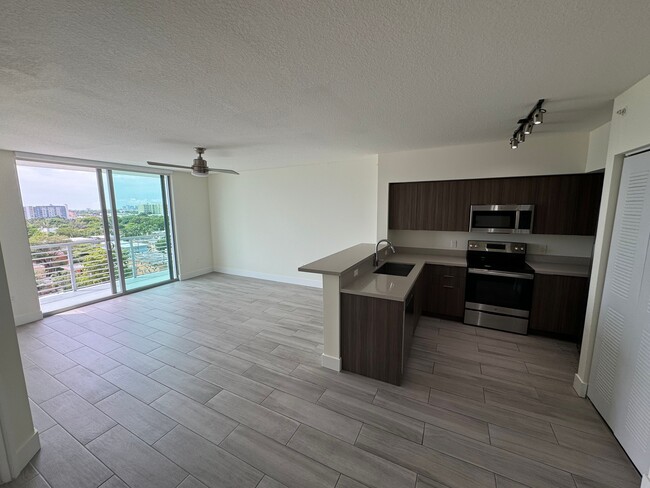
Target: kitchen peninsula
<point>369,318</point>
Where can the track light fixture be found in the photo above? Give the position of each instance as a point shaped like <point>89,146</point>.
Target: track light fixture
<point>535,117</point>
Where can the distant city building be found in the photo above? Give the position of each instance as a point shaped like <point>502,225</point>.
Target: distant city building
<point>45,211</point>
<point>150,208</point>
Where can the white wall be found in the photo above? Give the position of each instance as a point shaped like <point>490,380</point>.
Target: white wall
<point>191,206</point>
<point>13,233</point>
<point>598,144</point>
<point>540,154</point>
<point>17,435</point>
<point>628,133</point>
<point>267,223</point>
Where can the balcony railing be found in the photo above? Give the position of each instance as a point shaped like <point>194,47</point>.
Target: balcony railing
<point>80,264</point>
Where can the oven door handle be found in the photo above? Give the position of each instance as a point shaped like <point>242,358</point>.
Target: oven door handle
<point>505,274</point>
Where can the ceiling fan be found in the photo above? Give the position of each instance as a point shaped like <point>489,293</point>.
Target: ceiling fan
<point>199,166</point>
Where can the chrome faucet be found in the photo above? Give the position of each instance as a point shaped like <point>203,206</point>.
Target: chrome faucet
<point>390,244</point>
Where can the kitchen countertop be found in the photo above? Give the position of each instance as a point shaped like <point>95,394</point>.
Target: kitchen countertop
<point>398,287</point>
<point>338,263</point>
<point>560,265</point>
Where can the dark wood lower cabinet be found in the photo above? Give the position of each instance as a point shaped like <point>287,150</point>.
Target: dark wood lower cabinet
<point>376,334</point>
<point>559,305</point>
<point>371,337</point>
<point>444,291</point>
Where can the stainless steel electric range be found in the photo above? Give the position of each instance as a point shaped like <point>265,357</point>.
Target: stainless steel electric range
<point>499,287</point>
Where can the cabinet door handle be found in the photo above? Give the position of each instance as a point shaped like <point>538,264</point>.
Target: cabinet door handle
<point>447,286</point>
<point>448,276</point>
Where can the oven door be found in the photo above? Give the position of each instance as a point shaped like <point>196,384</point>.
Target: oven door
<point>499,291</point>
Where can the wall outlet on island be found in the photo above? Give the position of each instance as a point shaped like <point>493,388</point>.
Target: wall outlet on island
<point>453,244</point>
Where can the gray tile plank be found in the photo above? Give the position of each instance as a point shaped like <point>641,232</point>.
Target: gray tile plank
<point>188,385</point>
<point>236,383</point>
<point>197,417</point>
<point>255,416</point>
<point>135,341</point>
<point>288,384</point>
<point>606,447</point>
<point>60,342</point>
<point>345,482</point>
<point>292,468</point>
<point>40,385</point>
<point>576,462</point>
<point>77,416</point>
<point>221,359</point>
<point>173,341</point>
<point>86,384</point>
<point>82,469</point>
<point>265,359</point>
<point>493,415</point>
<point>449,385</point>
<point>398,424</point>
<point>209,463</point>
<point>192,482</point>
<point>50,361</point>
<point>135,360</point>
<point>139,418</point>
<point>438,466</point>
<point>316,416</point>
<point>446,419</point>
<point>318,376</point>
<point>499,461</point>
<point>178,360</point>
<point>97,342</point>
<point>134,461</point>
<point>140,386</point>
<point>350,460</point>
<point>268,482</point>
<point>42,421</point>
<point>92,360</point>
<point>114,482</point>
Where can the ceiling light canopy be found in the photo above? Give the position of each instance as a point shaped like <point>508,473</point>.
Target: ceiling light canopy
<point>525,125</point>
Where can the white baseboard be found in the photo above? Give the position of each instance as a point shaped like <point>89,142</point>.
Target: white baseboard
<point>27,318</point>
<point>25,454</point>
<point>270,277</point>
<point>331,362</point>
<point>579,386</point>
<point>193,274</point>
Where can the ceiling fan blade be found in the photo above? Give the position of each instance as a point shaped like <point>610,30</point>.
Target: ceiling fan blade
<point>153,163</point>
<point>227,171</point>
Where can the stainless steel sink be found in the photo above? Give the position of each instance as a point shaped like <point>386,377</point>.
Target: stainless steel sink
<point>395,269</point>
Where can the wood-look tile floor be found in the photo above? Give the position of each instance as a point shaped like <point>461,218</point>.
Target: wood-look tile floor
<point>216,382</point>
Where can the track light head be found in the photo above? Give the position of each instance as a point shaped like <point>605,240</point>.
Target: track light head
<point>538,116</point>
<point>528,127</point>
<point>514,144</point>
<point>520,136</point>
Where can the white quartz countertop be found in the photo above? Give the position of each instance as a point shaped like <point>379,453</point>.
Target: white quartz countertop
<point>338,263</point>
<point>577,268</point>
<point>398,287</point>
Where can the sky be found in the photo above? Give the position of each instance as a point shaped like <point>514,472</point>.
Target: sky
<point>78,187</point>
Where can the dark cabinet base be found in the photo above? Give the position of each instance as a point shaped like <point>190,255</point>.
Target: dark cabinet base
<point>559,305</point>
<point>444,295</point>
<point>372,337</point>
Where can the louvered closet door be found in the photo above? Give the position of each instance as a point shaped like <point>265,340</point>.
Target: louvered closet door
<point>619,385</point>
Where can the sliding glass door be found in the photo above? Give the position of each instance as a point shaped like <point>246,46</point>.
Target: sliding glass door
<point>143,225</point>
<point>95,232</point>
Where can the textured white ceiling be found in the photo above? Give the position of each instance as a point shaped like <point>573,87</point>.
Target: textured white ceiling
<point>275,83</point>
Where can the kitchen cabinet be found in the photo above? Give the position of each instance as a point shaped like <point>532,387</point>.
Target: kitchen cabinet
<point>559,304</point>
<point>445,291</point>
<point>376,334</point>
<point>564,204</point>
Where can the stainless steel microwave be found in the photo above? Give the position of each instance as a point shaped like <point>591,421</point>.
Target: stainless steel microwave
<point>501,219</point>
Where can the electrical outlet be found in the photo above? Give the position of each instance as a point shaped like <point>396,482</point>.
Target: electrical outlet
<point>355,273</point>
<point>454,244</point>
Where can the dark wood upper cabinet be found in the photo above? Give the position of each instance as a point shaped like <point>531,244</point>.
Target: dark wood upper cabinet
<point>564,204</point>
